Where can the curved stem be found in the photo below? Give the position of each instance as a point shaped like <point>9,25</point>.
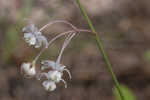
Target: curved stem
<point>58,36</point>
<point>58,21</point>
<point>66,42</point>
<point>62,49</point>
<point>101,48</point>
<point>84,30</point>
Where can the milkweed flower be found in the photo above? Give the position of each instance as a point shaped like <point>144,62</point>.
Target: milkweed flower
<point>30,38</point>
<point>54,66</point>
<point>51,71</point>
<point>33,36</point>
<point>28,69</point>
<point>49,85</point>
<point>55,76</point>
<point>57,69</point>
<point>56,72</point>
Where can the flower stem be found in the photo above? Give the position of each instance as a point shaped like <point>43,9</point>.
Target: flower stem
<point>58,36</point>
<point>66,42</point>
<point>101,48</point>
<point>51,41</point>
<point>58,21</point>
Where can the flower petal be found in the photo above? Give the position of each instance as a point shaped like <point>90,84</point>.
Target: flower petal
<point>54,76</point>
<point>49,85</point>
<point>48,64</point>
<point>60,67</point>
<point>29,38</point>
<point>29,28</point>
<point>41,39</point>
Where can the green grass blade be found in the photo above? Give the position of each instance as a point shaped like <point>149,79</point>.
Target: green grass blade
<point>101,48</point>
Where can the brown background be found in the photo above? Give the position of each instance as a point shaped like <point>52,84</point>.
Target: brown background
<point>123,26</point>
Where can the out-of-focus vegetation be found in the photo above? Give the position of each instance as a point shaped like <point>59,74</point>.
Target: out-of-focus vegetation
<point>123,26</point>
<point>12,31</point>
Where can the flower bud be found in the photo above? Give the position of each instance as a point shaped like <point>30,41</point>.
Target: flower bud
<point>49,85</point>
<point>28,69</point>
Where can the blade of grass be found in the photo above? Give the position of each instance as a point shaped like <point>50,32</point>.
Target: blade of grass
<point>101,48</point>
<point>127,93</point>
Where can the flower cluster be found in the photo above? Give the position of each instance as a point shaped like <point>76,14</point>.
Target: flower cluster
<point>54,75</point>
<point>51,72</point>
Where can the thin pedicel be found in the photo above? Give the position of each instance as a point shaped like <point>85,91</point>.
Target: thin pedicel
<point>57,21</point>
<point>58,36</point>
<point>66,42</point>
<point>50,42</point>
<point>61,34</point>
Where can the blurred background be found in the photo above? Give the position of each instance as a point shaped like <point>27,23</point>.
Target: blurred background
<point>123,26</point>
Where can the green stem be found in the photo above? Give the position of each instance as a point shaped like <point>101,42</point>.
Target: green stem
<point>101,48</point>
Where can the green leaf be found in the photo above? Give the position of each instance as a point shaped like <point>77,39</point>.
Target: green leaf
<point>127,93</point>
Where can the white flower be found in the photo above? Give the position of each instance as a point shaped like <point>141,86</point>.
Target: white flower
<point>30,39</point>
<point>30,29</point>
<point>33,36</point>
<point>49,85</point>
<point>55,76</point>
<point>28,69</point>
<point>54,66</point>
<point>39,40</point>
